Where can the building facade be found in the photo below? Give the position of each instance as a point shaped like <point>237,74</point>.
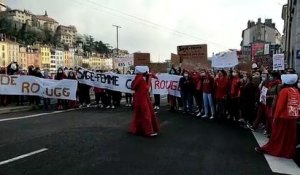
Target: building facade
<point>57,60</point>
<point>95,62</point>
<point>46,56</point>
<point>66,35</point>
<point>34,58</point>
<point>3,5</point>
<point>13,52</point>
<point>20,16</point>
<point>45,22</point>
<point>291,17</point>
<point>23,58</point>
<point>106,64</point>
<point>68,58</point>
<point>3,53</point>
<point>261,34</point>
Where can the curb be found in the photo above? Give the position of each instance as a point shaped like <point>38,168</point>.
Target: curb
<point>15,109</point>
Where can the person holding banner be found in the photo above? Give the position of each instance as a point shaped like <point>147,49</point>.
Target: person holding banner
<point>144,121</point>
<point>71,103</point>
<point>171,98</point>
<point>60,75</point>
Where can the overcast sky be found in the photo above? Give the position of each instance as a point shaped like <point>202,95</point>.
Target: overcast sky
<point>159,26</point>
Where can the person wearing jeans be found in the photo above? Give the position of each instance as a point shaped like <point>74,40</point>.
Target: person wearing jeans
<point>208,83</point>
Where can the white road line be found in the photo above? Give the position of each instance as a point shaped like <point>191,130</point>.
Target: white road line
<point>23,156</point>
<point>35,115</point>
<point>278,165</point>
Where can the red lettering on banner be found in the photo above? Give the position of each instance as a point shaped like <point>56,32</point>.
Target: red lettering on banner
<point>169,84</point>
<point>162,84</point>
<point>174,85</point>
<point>156,84</point>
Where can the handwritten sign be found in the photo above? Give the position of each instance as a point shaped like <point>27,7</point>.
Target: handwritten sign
<point>278,62</point>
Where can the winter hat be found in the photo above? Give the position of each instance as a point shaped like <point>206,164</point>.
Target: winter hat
<point>141,69</point>
<point>289,79</point>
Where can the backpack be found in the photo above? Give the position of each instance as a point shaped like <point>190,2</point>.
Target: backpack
<point>293,103</point>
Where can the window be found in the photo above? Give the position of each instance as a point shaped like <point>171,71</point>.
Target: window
<point>3,55</point>
<point>3,48</point>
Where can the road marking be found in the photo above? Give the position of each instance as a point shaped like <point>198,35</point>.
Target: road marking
<point>35,115</point>
<point>22,156</point>
<point>277,164</point>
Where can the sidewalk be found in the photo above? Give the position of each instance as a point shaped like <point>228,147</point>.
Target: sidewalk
<point>12,109</point>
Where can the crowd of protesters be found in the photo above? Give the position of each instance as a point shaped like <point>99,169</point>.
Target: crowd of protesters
<point>240,97</point>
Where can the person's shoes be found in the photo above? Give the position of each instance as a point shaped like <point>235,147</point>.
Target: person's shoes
<point>228,117</point>
<point>204,116</point>
<point>153,134</point>
<point>180,109</point>
<point>259,150</point>
<point>113,107</point>
<point>199,114</point>
<point>211,118</point>
<point>157,107</point>
<point>265,132</point>
<point>250,127</point>
<point>241,120</point>
<point>107,107</point>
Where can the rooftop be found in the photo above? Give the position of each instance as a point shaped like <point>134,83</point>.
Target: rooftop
<point>61,27</point>
<point>45,18</point>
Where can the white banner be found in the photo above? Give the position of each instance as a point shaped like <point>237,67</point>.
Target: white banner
<point>34,86</point>
<point>165,84</point>
<point>225,60</point>
<point>278,62</point>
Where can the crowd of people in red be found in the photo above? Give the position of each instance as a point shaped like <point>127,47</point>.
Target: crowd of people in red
<point>254,100</point>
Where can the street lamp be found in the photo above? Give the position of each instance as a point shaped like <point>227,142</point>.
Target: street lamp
<point>117,28</point>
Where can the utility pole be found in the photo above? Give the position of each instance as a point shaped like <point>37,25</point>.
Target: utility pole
<point>117,27</point>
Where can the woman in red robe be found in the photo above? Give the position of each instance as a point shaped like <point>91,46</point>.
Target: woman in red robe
<point>144,120</point>
<point>284,133</point>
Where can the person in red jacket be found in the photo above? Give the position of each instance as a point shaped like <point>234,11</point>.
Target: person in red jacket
<point>221,82</point>
<point>284,133</point>
<point>198,92</point>
<point>234,95</point>
<point>144,121</point>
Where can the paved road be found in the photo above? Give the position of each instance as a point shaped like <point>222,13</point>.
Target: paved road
<point>94,141</point>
